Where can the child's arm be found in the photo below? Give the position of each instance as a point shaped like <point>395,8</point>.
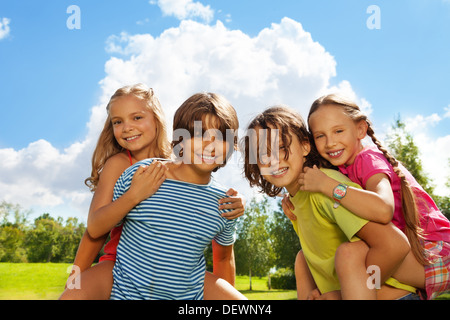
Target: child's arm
<point>223,262</point>
<point>104,214</point>
<point>235,201</point>
<point>376,203</point>
<point>88,250</point>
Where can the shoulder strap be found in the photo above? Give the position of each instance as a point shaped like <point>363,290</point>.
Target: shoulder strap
<point>129,157</point>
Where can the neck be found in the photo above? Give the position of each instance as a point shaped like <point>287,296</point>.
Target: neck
<point>143,154</point>
<point>293,188</point>
<point>187,173</point>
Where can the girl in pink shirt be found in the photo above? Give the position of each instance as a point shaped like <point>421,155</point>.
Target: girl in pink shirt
<point>391,193</point>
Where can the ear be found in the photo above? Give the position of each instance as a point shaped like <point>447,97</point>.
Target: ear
<point>306,148</point>
<point>362,127</point>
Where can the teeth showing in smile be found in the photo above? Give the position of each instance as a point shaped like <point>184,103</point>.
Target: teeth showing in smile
<point>131,138</point>
<point>206,158</point>
<point>336,153</point>
<point>279,172</point>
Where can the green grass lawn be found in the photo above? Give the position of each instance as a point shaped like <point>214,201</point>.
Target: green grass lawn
<point>260,290</point>
<point>45,281</point>
<point>32,281</point>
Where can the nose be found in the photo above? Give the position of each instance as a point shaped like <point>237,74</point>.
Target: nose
<point>212,144</point>
<point>127,127</point>
<point>330,142</point>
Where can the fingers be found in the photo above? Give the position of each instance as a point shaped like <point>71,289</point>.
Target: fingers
<point>153,173</point>
<point>231,192</point>
<point>233,214</point>
<point>235,203</point>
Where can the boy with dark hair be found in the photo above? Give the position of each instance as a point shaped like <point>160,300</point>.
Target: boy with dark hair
<point>160,254</point>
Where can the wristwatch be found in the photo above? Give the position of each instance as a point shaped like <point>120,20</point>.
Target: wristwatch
<point>339,192</point>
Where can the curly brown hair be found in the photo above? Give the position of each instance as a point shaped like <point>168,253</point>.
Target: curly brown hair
<point>289,123</point>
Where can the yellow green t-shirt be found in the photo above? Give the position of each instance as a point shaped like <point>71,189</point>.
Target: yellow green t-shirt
<point>322,229</point>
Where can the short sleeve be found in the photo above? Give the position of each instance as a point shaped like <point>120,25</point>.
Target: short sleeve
<point>368,164</point>
<point>348,222</point>
<point>228,236</point>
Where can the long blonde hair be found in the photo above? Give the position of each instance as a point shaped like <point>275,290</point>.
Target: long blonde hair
<point>107,145</point>
<point>409,208</point>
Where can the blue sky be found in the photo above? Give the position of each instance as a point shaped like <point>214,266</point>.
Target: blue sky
<point>52,79</point>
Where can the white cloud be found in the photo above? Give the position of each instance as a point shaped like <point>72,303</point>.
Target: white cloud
<point>185,9</point>
<point>420,122</point>
<point>434,152</point>
<point>282,64</point>
<point>4,27</point>
<point>447,110</point>
<point>42,176</point>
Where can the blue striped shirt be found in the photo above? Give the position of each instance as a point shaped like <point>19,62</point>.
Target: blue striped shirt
<point>160,253</point>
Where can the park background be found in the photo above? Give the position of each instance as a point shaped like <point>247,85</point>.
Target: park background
<point>60,62</point>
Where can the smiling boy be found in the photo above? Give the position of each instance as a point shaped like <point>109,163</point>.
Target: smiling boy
<point>160,254</point>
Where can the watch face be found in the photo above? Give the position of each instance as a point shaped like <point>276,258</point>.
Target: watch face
<point>340,191</point>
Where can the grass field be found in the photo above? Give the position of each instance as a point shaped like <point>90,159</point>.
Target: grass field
<point>45,281</point>
<point>32,281</point>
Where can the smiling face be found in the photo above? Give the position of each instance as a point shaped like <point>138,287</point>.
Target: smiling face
<point>336,135</point>
<point>133,125</point>
<point>282,167</point>
<point>208,148</point>
<point>201,154</point>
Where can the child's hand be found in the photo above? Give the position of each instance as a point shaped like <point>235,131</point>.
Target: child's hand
<point>288,207</point>
<point>147,180</point>
<point>314,295</point>
<point>234,201</point>
<point>311,179</point>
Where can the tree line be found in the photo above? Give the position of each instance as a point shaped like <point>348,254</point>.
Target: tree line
<point>46,239</point>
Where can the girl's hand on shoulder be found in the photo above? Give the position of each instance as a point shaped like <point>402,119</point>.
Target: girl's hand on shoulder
<point>311,179</point>
<point>147,180</point>
<point>235,201</point>
<point>288,207</point>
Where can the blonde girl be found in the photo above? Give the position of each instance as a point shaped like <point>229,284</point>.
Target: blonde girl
<point>391,193</point>
<point>135,129</point>
<point>277,149</point>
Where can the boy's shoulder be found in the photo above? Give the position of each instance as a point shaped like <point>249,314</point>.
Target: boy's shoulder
<point>129,172</point>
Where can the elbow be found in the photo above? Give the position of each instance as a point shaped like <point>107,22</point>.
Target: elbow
<point>94,233</point>
<point>385,214</point>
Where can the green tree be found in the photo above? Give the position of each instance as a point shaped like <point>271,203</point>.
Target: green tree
<point>12,233</point>
<point>253,248</point>
<point>69,239</point>
<point>50,240</point>
<point>42,239</point>
<point>401,145</point>
<point>285,241</point>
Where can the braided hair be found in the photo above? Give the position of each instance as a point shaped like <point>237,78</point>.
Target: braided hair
<point>409,209</point>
